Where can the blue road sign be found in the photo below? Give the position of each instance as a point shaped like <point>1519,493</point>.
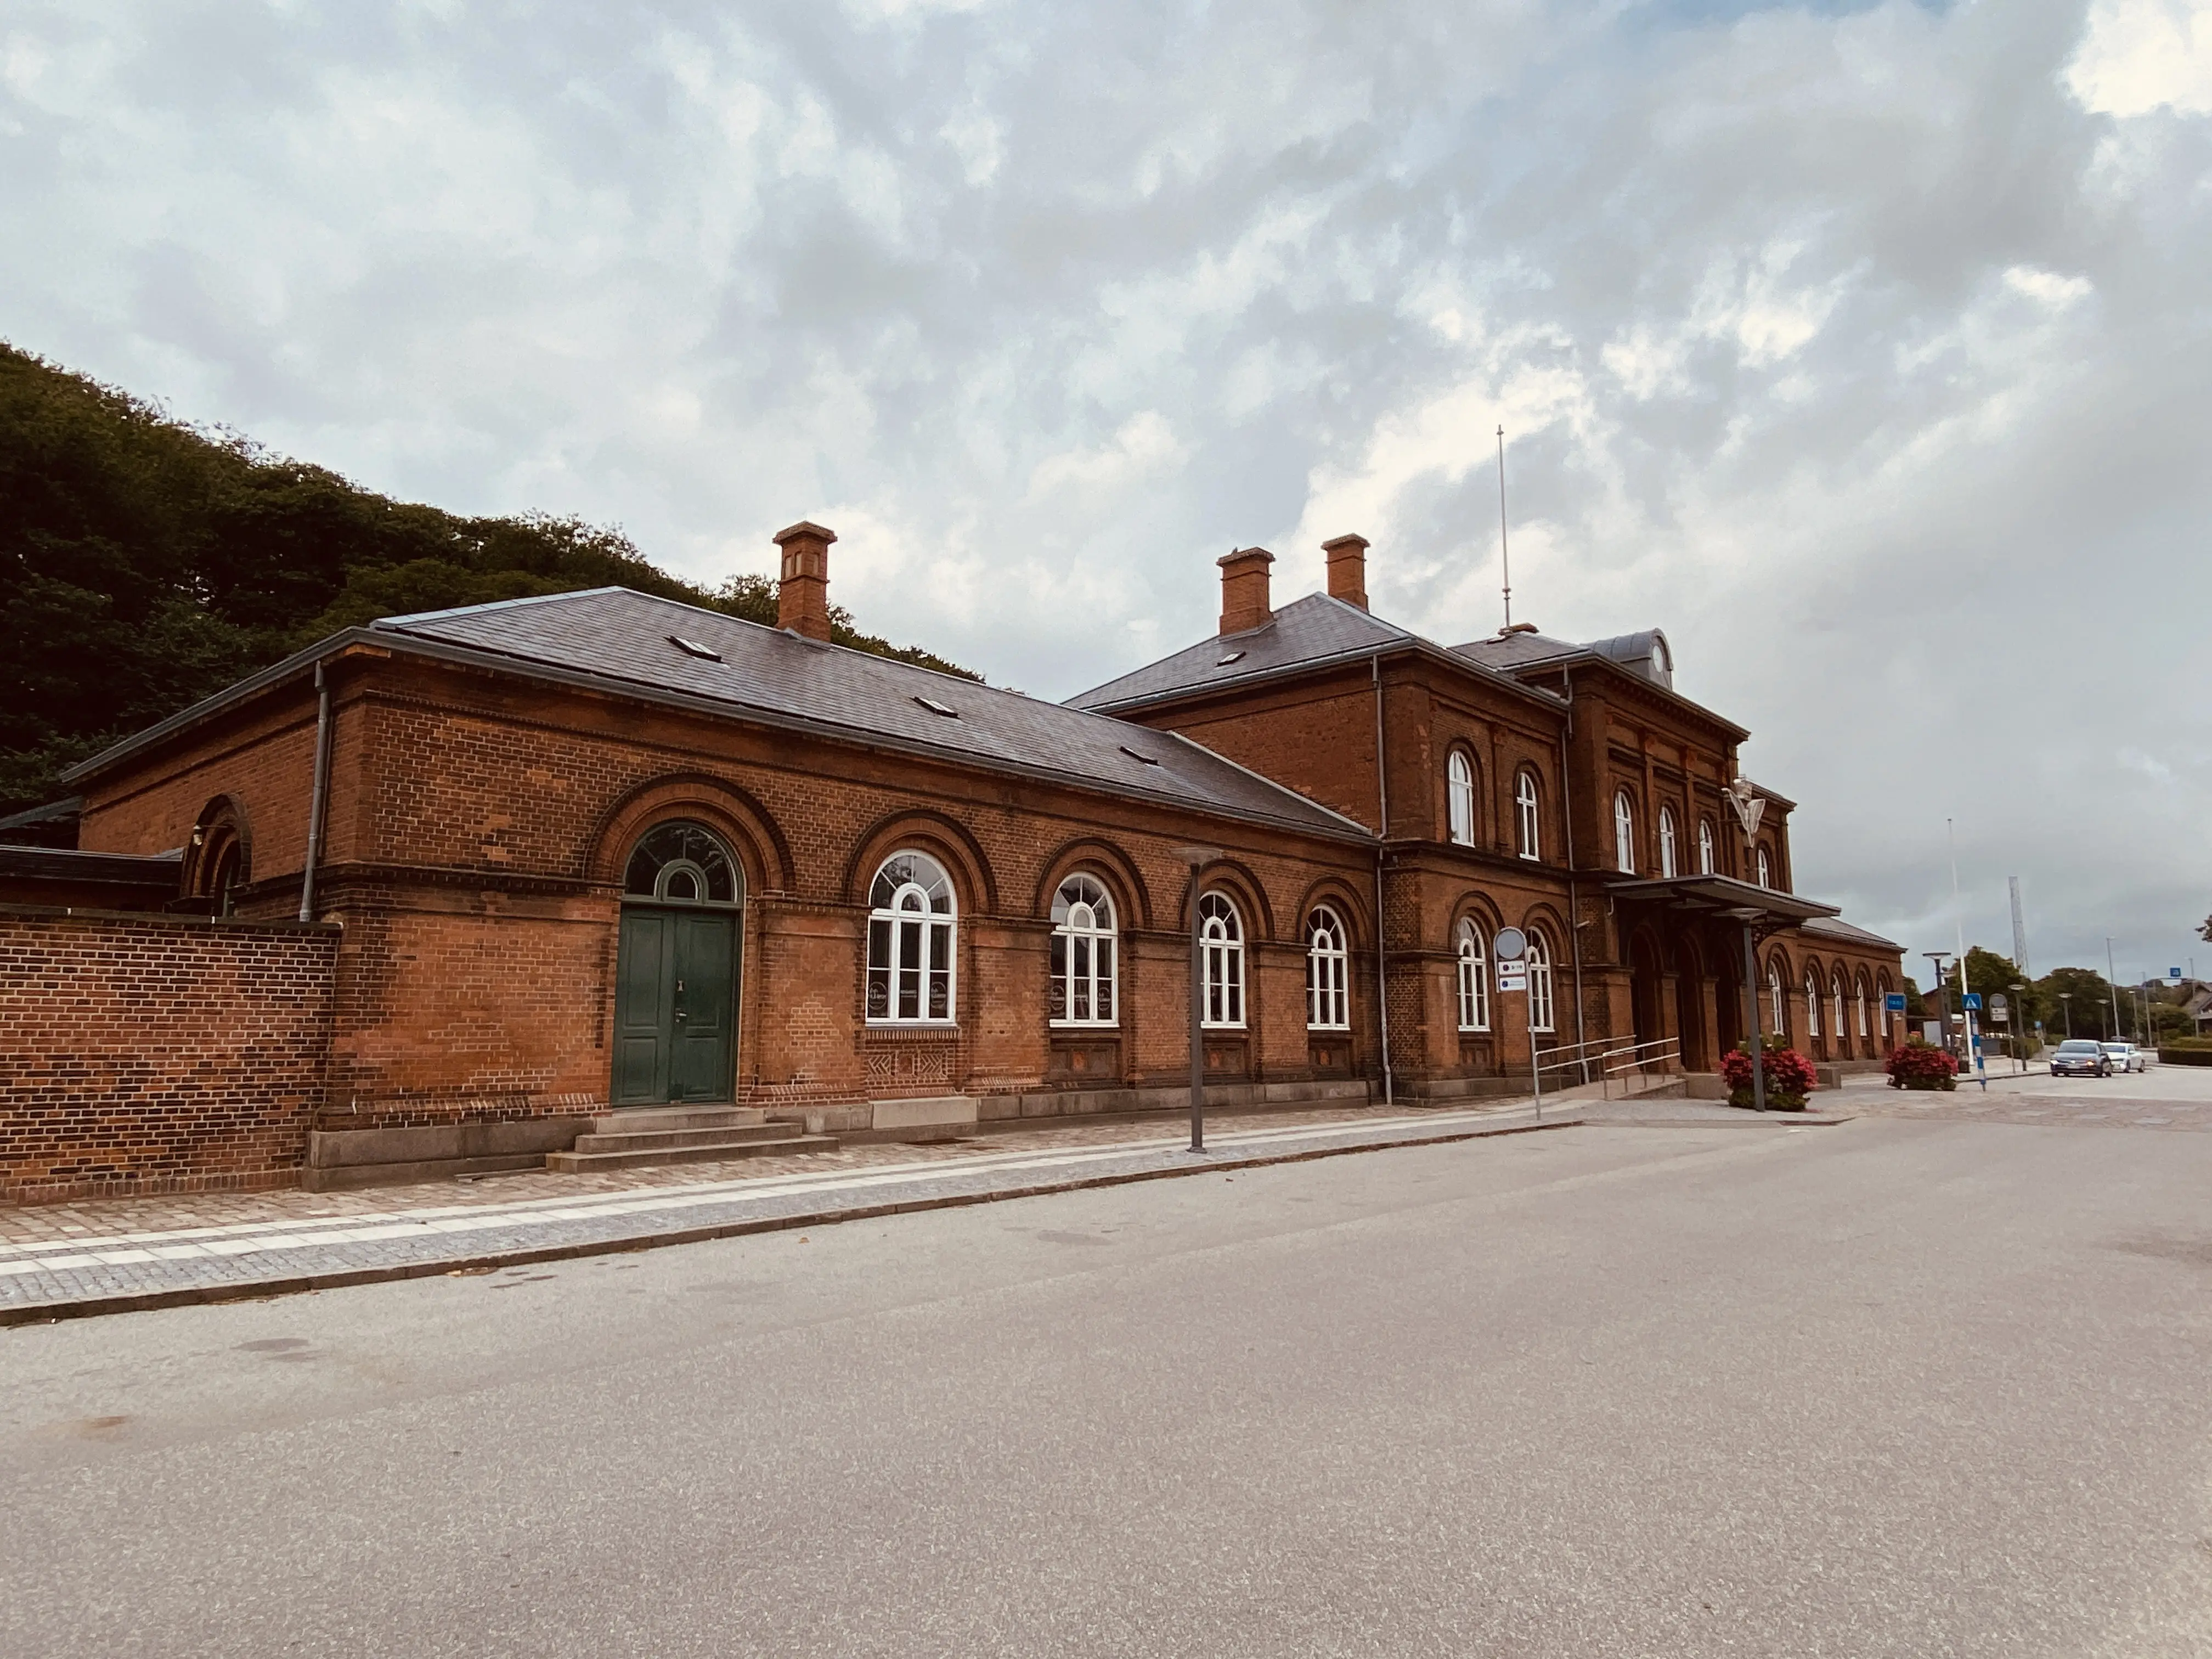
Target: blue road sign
<point>1974,999</point>
<point>1894,1001</point>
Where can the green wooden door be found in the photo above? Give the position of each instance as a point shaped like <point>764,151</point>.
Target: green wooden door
<point>676,999</point>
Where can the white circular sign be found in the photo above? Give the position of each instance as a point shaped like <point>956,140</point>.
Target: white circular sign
<point>1512,945</point>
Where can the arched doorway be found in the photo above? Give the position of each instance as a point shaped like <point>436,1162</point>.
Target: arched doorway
<point>1643,989</point>
<point>676,972</point>
<point>1690,1006</point>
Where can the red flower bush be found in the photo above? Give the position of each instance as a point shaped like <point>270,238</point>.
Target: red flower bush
<point>1921,1064</point>
<point>1788,1076</point>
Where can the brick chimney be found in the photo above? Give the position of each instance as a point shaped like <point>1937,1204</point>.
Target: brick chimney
<point>1347,569</point>
<point>802,597</point>
<point>1244,589</point>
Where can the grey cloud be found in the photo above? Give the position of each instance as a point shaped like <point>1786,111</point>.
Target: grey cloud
<point>1841,343</point>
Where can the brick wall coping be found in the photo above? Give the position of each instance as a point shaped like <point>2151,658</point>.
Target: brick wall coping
<point>181,921</point>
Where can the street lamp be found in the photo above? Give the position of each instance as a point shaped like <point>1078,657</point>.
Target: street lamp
<point>1750,806</point>
<point>2066,1005</point>
<point>2020,1025</point>
<point>1197,858</point>
<point>1937,958</point>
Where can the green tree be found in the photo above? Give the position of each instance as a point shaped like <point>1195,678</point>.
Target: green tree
<point>2092,1001</point>
<point>147,564</point>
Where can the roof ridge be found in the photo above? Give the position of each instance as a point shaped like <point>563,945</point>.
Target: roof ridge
<point>394,623</point>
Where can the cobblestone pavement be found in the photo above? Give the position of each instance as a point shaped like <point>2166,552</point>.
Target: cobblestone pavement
<point>116,1254</point>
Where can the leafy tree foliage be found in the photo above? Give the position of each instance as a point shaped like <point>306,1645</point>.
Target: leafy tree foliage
<point>146,564</point>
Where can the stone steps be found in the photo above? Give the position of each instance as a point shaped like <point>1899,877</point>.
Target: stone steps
<point>641,1136</point>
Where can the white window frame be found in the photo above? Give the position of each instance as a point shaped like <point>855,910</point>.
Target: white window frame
<point>913,930</point>
<point>1836,1005</point>
<point>1458,798</point>
<point>1705,847</point>
<point>1812,1005</point>
<point>1328,972</point>
<point>1765,871</point>
<point>1474,978</point>
<point>1779,1024</point>
<point>1881,993</point>
<point>1859,990</point>
<point>1221,948</point>
<point>1528,814</point>
<point>1543,1012</point>
<point>1086,955</point>
<point>1623,832</point>
<point>1667,870</point>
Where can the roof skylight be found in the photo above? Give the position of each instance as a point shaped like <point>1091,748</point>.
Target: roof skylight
<point>1234,656</point>
<point>1145,759</point>
<point>693,648</point>
<point>936,708</point>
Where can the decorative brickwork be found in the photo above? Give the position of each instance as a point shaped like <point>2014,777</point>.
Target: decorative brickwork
<point>150,1054</point>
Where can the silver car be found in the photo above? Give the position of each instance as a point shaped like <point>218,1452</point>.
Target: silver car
<point>2126,1057</point>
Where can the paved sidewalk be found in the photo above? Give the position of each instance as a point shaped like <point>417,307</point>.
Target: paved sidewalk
<point>301,1241</point>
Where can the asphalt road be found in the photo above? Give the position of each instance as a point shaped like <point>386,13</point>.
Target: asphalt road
<point>1911,1388</point>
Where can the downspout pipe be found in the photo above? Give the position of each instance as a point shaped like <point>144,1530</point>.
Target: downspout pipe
<point>318,799</point>
<point>1574,900</point>
<point>1381,835</point>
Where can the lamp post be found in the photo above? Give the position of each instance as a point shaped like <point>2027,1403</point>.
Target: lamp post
<point>1750,806</point>
<point>2066,1005</point>
<point>2020,1026</point>
<point>2113,990</point>
<point>1197,858</point>
<point>1937,958</point>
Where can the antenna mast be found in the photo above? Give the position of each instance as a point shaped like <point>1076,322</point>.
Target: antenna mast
<point>1505,564</point>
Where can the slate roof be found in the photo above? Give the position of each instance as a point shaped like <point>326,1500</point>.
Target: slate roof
<point>1835,927</point>
<point>1511,652</point>
<point>614,636</point>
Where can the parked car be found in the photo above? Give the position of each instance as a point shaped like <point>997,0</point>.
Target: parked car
<point>2126,1057</point>
<point>2080,1057</point>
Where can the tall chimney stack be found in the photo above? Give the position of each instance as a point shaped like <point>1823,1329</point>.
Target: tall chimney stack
<point>1347,569</point>
<point>802,597</point>
<point>1244,589</point>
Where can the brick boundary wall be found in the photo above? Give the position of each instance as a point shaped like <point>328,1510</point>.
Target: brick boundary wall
<point>142,1054</point>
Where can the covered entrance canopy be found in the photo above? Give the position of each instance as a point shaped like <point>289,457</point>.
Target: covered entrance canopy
<point>1723,898</point>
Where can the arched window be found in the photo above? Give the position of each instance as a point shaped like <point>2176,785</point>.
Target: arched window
<point>911,922</point>
<point>1529,834</point>
<point>1666,843</point>
<point>1705,847</point>
<point>1766,873</point>
<point>1540,982</point>
<point>1459,788</point>
<point>1623,832</point>
<point>680,862</point>
<point>1473,979</point>
<point>1836,1005</point>
<point>1858,986</point>
<point>1882,991</point>
<point>1327,1007</point>
<point>1812,1005</point>
<point>1083,940</point>
<point>1777,1020</point>
<point>1221,943</point>
<point>216,864</point>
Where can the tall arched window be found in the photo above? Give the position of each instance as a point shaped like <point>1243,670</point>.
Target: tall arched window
<point>1812,1005</point>
<point>1473,979</point>
<point>1765,872</point>
<point>1859,988</point>
<point>1836,1005</point>
<point>912,919</point>
<point>1705,847</point>
<point>1540,982</point>
<point>1459,789</point>
<point>1623,832</point>
<point>1666,843</point>
<point>683,863</point>
<point>1327,1007</point>
<point>1221,943</point>
<point>1882,991</point>
<point>1777,1019</point>
<point>1527,828</point>
<point>1083,939</point>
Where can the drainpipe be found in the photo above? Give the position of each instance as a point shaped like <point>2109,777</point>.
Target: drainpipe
<point>320,799</point>
<point>1574,899</point>
<point>1383,834</point>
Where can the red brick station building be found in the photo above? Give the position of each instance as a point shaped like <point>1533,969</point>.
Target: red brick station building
<point>459,892</point>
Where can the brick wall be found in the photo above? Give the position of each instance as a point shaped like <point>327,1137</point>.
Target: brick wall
<point>157,1055</point>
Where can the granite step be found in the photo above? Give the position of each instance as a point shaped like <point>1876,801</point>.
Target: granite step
<point>641,1141</point>
<point>645,1119</point>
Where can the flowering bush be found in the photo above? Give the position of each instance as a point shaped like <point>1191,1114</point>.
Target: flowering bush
<point>1921,1064</point>
<point>1788,1076</point>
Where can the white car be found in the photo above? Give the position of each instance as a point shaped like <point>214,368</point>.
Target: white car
<point>2126,1057</point>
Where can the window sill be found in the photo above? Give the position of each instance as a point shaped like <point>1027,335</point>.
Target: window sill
<point>1329,1030</point>
<point>1209,1026</point>
<point>910,1025</point>
<point>1083,1025</point>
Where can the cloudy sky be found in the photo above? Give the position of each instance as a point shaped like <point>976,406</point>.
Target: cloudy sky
<point>1867,350</point>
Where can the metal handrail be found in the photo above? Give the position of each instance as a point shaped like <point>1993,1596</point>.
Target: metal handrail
<point>1639,1057</point>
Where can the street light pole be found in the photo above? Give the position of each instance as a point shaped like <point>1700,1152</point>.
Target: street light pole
<point>1750,806</point>
<point>2020,1026</point>
<point>1197,858</point>
<point>1936,958</point>
<point>2111,974</point>
<point>2066,1005</point>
